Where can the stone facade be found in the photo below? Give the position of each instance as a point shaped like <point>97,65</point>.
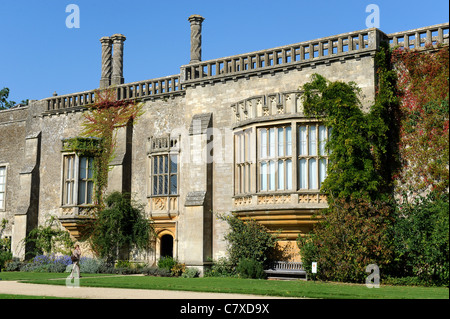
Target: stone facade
<point>197,150</point>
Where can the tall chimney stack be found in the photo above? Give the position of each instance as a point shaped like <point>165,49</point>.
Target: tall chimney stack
<point>196,37</point>
<point>117,68</point>
<point>105,80</point>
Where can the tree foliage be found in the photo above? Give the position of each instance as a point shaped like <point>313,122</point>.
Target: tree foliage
<point>120,225</point>
<point>48,238</point>
<point>422,239</point>
<point>402,142</point>
<point>351,235</point>
<point>353,232</point>
<point>248,239</point>
<point>4,103</point>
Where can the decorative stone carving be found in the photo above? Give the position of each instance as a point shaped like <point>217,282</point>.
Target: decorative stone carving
<point>117,69</point>
<point>309,198</point>
<point>196,37</point>
<point>273,199</point>
<point>243,201</point>
<point>105,80</point>
<point>159,203</point>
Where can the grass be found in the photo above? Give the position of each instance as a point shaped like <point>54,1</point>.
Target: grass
<point>298,288</point>
<point>9,296</point>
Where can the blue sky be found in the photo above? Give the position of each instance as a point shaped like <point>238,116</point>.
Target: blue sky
<point>40,55</point>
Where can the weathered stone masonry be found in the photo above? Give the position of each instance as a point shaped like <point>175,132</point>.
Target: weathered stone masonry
<point>224,136</point>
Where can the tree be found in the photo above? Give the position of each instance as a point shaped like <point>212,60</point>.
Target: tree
<point>48,238</point>
<point>350,236</point>
<point>354,231</point>
<point>4,103</point>
<point>248,239</point>
<point>120,226</point>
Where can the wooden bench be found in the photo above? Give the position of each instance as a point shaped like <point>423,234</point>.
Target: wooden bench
<point>286,270</point>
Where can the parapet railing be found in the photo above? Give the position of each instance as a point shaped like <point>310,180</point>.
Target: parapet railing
<point>338,47</point>
<point>419,38</point>
<point>283,57</point>
<point>163,86</point>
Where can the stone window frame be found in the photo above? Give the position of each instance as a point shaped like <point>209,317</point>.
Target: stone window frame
<point>243,161</point>
<point>319,155</point>
<point>3,186</point>
<point>164,174</point>
<point>295,157</point>
<point>74,179</point>
<point>163,147</point>
<point>276,155</point>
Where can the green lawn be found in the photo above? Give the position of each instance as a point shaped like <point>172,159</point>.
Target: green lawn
<point>8,296</point>
<point>299,288</point>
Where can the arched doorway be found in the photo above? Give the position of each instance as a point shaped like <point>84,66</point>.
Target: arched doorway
<point>166,248</point>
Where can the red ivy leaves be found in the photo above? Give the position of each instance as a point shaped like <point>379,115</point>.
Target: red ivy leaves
<point>105,116</point>
<point>423,78</point>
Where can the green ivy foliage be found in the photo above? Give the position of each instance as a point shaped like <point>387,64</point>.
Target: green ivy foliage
<point>362,146</point>
<point>354,231</point>
<point>363,223</point>
<point>351,171</point>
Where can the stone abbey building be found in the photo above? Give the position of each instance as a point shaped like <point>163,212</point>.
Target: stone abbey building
<point>224,136</point>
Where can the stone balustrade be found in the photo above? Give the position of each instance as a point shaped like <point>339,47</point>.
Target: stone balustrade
<point>419,38</point>
<point>324,50</point>
<point>153,88</point>
<point>284,57</point>
<point>70,100</point>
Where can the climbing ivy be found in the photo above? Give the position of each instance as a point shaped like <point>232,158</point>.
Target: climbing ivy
<point>361,146</point>
<point>401,144</point>
<point>82,146</point>
<point>424,126</point>
<point>102,121</point>
<point>354,230</point>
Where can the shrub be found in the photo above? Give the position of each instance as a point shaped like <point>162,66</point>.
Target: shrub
<point>158,272</point>
<point>422,240</point>
<point>250,268</point>
<point>166,262</point>
<point>190,273</point>
<point>123,264</point>
<point>178,269</point>
<point>248,239</point>
<point>47,263</point>
<point>223,267</point>
<point>122,224</point>
<point>5,247</point>
<point>5,256</point>
<point>14,264</point>
<point>90,265</point>
<point>350,236</point>
<point>48,238</point>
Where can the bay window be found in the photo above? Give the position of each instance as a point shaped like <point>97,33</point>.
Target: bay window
<point>289,157</point>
